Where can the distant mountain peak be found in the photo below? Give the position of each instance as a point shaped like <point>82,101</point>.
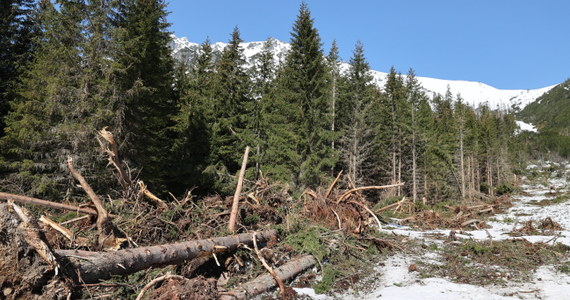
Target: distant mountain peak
<point>472,92</point>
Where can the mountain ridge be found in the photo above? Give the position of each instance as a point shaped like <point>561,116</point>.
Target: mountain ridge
<point>472,92</point>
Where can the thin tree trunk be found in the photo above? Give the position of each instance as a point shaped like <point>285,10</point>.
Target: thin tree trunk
<point>400,171</point>
<point>95,266</point>
<point>425,186</point>
<point>235,203</point>
<point>461,164</point>
<point>36,201</point>
<point>414,167</point>
<point>333,113</point>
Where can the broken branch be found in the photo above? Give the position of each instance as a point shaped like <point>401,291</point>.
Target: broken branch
<point>155,281</point>
<point>269,269</point>
<point>104,225</point>
<point>372,187</point>
<point>113,154</point>
<point>370,212</point>
<point>159,203</point>
<point>329,190</point>
<point>235,202</point>
<point>399,203</point>
<point>36,201</point>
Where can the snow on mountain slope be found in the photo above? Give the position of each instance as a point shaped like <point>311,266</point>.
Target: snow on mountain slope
<point>473,93</point>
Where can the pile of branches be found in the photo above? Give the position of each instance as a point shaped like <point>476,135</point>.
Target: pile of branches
<point>458,217</point>
<point>217,237</point>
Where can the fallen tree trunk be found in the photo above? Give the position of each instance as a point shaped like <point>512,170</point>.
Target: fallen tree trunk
<point>265,282</point>
<point>36,201</point>
<point>94,266</point>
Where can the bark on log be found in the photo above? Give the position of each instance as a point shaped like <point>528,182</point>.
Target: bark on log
<point>265,282</point>
<point>36,201</point>
<point>95,266</point>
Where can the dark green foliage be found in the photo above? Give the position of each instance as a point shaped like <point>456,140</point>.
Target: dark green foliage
<point>299,148</point>
<point>104,63</point>
<point>46,124</point>
<point>550,113</point>
<point>263,83</point>
<point>145,72</point>
<point>16,45</point>
<point>232,108</point>
<point>191,149</point>
<point>354,119</point>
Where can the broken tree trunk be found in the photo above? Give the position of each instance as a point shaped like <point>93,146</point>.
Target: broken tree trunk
<point>113,154</point>
<point>36,201</point>
<point>94,266</point>
<point>105,227</point>
<point>266,281</point>
<point>157,201</point>
<point>235,203</point>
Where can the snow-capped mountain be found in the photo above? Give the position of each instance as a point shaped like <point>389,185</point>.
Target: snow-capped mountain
<point>473,93</point>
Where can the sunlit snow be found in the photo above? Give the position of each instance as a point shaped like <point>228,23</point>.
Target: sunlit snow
<point>473,93</point>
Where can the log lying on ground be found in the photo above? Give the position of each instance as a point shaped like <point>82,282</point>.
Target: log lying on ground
<point>36,201</point>
<point>265,282</point>
<point>95,266</point>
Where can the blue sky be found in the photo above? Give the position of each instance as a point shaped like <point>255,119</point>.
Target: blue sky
<point>509,44</point>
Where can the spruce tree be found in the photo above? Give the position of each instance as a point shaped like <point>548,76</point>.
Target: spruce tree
<point>45,125</point>
<point>418,131</point>
<point>145,79</point>
<point>263,76</point>
<point>355,120</point>
<point>232,107</point>
<point>16,45</point>
<point>301,142</point>
<point>191,148</point>
<point>333,61</point>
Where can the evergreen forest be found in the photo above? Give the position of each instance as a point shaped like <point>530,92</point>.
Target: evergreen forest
<point>100,120</point>
<point>72,68</point>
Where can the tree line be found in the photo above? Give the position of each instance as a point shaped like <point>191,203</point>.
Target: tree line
<point>72,67</point>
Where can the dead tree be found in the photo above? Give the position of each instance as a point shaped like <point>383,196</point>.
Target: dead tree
<point>94,266</point>
<point>265,282</point>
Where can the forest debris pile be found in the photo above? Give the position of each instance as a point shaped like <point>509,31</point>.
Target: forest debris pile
<point>178,289</point>
<point>487,262</point>
<point>224,260</point>
<point>458,216</point>
<point>546,226</point>
<point>24,274</point>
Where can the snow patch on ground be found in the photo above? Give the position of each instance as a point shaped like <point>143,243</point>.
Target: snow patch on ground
<point>523,126</point>
<point>396,282</point>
